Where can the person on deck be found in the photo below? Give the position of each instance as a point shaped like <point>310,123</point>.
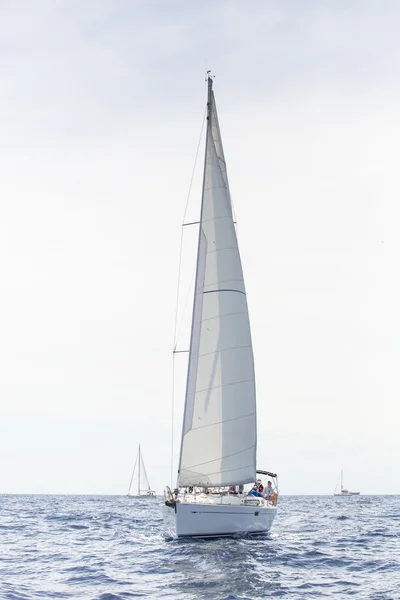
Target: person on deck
<point>260,487</point>
<point>254,491</point>
<point>270,493</point>
<point>269,490</point>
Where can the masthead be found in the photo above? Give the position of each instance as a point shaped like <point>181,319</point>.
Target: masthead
<point>209,78</point>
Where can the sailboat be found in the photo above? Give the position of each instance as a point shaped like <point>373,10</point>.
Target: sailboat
<point>343,490</point>
<point>139,484</point>
<point>219,432</point>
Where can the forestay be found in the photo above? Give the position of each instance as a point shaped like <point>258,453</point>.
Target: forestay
<point>219,428</point>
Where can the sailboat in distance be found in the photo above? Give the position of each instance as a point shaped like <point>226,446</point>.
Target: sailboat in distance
<point>343,490</point>
<point>139,485</point>
<point>219,433</point>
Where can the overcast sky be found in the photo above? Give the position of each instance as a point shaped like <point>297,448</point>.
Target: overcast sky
<point>101,107</point>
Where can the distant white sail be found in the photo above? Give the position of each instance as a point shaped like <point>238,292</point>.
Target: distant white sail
<point>139,484</point>
<point>343,490</point>
<point>219,429</point>
<point>144,480</point>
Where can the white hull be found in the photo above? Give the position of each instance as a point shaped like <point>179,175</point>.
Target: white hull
<point>344,491</point>
<point>218,519</point>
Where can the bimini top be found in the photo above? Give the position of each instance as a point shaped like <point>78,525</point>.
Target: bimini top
<point>266,473</point>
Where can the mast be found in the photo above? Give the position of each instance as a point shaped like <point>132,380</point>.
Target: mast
<point>139,474</point>
<point>209,114</point>
<point>341,480</point>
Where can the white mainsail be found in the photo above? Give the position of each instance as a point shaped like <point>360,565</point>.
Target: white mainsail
<point>219,427</point>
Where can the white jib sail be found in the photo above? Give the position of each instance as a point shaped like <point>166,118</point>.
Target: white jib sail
<point>219,427</point>
<point>139,478</point>
<point>144,480</point>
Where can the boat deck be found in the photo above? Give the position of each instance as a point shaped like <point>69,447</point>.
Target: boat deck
<point>224,499</point>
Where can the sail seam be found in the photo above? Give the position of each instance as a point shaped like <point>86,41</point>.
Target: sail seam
<point>217,218</point>
<point>219,249</point>
<point>225,315</point>
<point>215,387</point>
<point>224,281</point>
<point>216,187</point>
<point>219,422</point>
<point>227,470</point>
<point>220,458</point>
<point>225,290</point>
<point>223,350</point>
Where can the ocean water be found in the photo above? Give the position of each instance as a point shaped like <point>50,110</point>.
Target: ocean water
<point>113,547</point>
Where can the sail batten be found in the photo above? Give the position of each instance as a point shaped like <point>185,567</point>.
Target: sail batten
<point>219,427</point>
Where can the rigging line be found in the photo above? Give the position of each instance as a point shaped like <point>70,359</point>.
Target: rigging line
<point>183,224</point>
<point>177,299</point>
<point>188,295</point>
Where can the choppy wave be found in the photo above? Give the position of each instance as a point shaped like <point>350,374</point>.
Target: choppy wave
<point>115,548</point>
